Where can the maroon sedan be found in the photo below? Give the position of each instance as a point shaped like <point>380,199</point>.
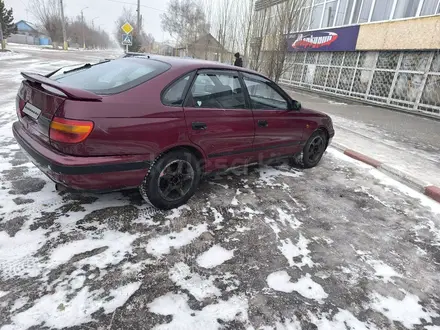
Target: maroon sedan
<point>158,124</point>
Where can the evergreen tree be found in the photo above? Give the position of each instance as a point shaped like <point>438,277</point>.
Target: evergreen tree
<point>136,44</point>
<point>7,25</point>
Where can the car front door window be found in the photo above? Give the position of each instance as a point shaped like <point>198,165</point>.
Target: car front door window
<point>263,95</point>
<point>217,91</point>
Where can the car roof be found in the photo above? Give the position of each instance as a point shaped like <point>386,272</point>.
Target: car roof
<point>190,63</point>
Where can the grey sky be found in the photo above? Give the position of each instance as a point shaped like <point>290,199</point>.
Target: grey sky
<point>107,12</point>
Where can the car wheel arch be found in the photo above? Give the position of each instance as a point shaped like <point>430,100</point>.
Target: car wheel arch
<point>325,131</point>
<point>199,154</point>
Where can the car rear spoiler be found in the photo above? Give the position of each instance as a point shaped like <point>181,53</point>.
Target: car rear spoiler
<point>70,92</point>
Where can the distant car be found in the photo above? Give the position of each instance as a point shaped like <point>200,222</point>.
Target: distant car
<point>158,124</point>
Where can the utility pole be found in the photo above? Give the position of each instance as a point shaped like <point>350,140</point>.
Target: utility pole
<point>63,23</point>
<point>2,44</point>
<point>139,18</point>
<point>84,34</point>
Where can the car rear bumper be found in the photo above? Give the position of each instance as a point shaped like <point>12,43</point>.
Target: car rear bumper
<point>83,173</point>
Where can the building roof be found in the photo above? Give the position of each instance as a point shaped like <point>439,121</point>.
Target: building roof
<point>206,39</point>
<point>31,25</point>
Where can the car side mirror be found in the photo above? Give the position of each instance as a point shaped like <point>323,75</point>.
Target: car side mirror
<point>295,105</point>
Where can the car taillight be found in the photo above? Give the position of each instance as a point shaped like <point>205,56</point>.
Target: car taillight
<point>19,105</point>
<point>69,131</point>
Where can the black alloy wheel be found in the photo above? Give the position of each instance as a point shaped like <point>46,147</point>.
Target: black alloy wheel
<point>312,151</point>
<point>172,179</point>
<point>175,180</point>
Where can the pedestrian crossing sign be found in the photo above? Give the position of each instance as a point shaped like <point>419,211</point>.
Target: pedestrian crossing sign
<point>127,39</point>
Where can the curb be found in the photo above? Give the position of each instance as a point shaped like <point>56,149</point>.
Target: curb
<point>430,190</point>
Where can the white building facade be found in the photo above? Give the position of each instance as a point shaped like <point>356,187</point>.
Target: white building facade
<point>379,51</point>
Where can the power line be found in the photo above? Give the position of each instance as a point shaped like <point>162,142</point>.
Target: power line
<point>135,4</point>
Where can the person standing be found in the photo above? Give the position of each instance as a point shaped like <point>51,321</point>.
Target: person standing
<point>238,60</point>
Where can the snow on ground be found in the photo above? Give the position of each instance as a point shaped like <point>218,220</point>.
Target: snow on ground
<point>340,246</point>
<point>342,320</point>
<point>305,286</point>
<point>11,56</point>
<point>407,311</point>
<point>113,253</point>
<point>383,271</point>
<point>390,182</point>
<point>407,159</point>
<point>208,318</point>
<point>53,311</point>
<point>296,254</point>
<point>269,174</point>
<point>198,286</point>
<point>163,244</point>
<point>214,257</point>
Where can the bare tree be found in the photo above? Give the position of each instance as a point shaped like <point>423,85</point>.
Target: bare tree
<point>246,23</point>
<point>283,19</point>
<point>185,21</point>
<point>243,11</point>
<point>147,42</point>
<point>94,38</point>
<point>260,30</point>
<point>47,12</point>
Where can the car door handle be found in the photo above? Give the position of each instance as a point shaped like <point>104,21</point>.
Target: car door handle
<point>199,126</point>
<point>262,123</point>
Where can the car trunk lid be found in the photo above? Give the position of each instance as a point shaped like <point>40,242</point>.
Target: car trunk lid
<point>40,98</point>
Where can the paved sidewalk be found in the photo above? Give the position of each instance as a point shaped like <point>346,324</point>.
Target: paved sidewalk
<point>404,146</point>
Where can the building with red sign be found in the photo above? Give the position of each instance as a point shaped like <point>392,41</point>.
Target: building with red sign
<point>379,51</point>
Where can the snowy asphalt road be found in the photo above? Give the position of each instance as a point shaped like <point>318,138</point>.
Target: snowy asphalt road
<point>340,246</point>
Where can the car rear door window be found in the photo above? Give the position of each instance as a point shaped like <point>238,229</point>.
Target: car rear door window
<point>262,93</point>
<point>174,94</point>
<point>218,90</point>
<point>114,76</point>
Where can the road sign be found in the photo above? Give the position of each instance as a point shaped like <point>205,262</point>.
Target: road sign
<point>127,28</point>
<point>127,39</point>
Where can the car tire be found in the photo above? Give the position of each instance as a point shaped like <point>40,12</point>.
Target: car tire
<point>171,180</point>
<point>312,151</point>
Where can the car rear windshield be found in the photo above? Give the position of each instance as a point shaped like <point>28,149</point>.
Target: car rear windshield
<point>113,76</point>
